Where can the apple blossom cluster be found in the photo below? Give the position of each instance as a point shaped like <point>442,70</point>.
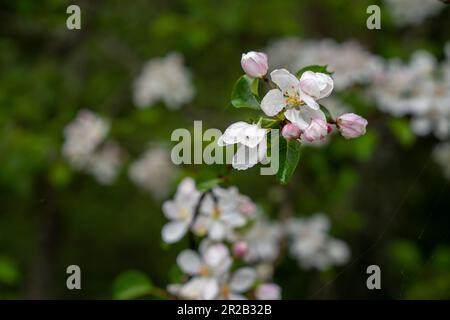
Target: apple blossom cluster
<point>413,12</point>
<point>419,89</point>
<point>291,104</point>
<point>87,149</point>
<point>238,246</point>
<point>164,79</point>
<point>153,171</point>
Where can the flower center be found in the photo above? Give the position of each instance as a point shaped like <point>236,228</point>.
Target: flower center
<point>293,101</point>
<point>204,271</point>
<point>216,213</point>
<point>225,291</point>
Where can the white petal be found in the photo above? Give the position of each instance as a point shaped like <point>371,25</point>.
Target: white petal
<point>235,296</point>
<point>170,210</point>
<point>234,219</point>
<point>189,262</point>
<point>245,157</point>
<point>211,289</point>
<point>215,255</point>
<point>310,102</point>
<point>286,81</point>
<point>309,84</point>
<point>295,116</point>
<point>252,135</point>
<point>217,231</point>
<point>233,134</point>
<point>273,102</point>
<point>242,279</point>
<point>174,231</point>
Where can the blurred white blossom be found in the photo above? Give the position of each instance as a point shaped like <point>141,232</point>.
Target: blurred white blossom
<point>311,244</point>
<point>164,79</point>
<point>413,12</point>
<point>263,240</point>
<point>350,63</point>
<point>85,148</point>
<point>441,155</point>
<point>153,171</point>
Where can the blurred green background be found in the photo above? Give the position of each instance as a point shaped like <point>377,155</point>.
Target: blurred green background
<point>384,194</point>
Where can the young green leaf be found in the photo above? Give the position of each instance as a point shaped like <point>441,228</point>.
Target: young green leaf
<point>314,68</point>
<point>244,94</point>
<point>289,158</point>
<point>131,284</point>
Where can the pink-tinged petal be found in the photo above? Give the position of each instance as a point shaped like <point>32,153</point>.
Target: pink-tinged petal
<point>286,81</point>
<point>273,102</point>
<point>310,102</point>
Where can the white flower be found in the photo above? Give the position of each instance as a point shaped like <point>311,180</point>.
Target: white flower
<point>165,79</point>
<point>441,155</point>
<point>206,270</point>
<point>232,287</point>
<point>251,142</point>
<point>413,12</point>
<point>263,240</point>
<point>220,214</point>
<point>312,246</point>
<point>153,171</point>
<point>350,62</point>
<point>293,92</point>
<point>180,211</point>
<point>105,163</point>
<point>83,136</point>
<point>268,291</point>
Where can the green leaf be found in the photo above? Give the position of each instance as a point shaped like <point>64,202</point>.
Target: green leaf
<point>244,93</point>
<point>131,284</point>
<point>208,184</point>
<point>8,271</point>
<point>402,131</point>
<point>289,157</point>
<point>314,68</point>
<point>327,113</point>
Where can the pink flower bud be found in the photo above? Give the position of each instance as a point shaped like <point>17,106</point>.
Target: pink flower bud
<point>291,132</point>
<point>255,64</point>
<point>317,130</point>
<point>351,125</point>
<point>329,128</point>
<point>268,291</point>
<point>240,249</point>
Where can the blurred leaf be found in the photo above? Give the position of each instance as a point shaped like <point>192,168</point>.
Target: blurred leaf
<point>131,284</point>
<point>405,255</point>
<point>289,157</point>
<point>314,68</point>
<point>8,271</point>
<point>441,257</point>
<point>208,184</point>
<point>243,95</point>
<point>402,131</point>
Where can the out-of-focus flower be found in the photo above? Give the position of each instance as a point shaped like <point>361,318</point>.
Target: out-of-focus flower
<point>251,140</point>
<point>82,136</point>
<point>312,246</point>
<point>153,171</point>
<point>268,291</point>
<point>233,287</point>
<point>240,249</point>
<point>254,64</point>
<point>105,163</point>
<point>349,61</point>
<point>413,12</point>
<point>86,150</point>
<point>220,214</point>
<point>291,132</point>
<point>180,211</point>
<point>294,93</point>
<point>441,155</point>
<point>351,125</point>
<point>263,240</point>
<point>205,269</point>
<point>164,79</point>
